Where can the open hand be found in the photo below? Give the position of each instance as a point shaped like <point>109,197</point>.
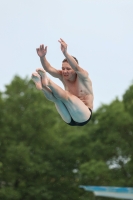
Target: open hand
<point>42,51</point>
<point>63,45</point>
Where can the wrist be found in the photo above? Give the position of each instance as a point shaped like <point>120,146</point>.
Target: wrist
<point>65,53</point>
<point>42,57</point>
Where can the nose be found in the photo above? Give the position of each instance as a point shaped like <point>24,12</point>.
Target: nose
<point>65,71</point>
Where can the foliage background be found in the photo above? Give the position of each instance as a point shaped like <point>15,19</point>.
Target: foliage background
<point>43,158</point>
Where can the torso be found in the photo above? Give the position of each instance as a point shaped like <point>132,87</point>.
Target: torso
<point>82,89</point>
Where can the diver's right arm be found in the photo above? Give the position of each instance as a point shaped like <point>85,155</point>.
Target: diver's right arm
<point>42,51</point>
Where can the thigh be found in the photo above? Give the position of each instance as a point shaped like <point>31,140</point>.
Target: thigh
<point>77,109</point>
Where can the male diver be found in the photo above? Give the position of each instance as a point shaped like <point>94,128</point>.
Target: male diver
<point>75,102</point>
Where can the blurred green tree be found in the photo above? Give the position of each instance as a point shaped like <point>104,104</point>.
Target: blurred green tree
<point>43,158</point>
<point>34,164</point>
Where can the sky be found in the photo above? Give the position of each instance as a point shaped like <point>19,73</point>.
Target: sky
<point>99,33</point>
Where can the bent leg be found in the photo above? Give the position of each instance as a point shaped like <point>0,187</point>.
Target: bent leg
<point>77,109</point>
<point>58,92</point>
<point>61,108</point>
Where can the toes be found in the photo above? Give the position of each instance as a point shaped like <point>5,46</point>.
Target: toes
<point>35,76</point>
<point>40,70</point>
<point>37,70</point>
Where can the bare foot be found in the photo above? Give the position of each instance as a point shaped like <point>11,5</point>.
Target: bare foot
<point>43,75</point>
<point>37,80</point>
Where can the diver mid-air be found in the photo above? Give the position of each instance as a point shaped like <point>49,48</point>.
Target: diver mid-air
<point>75,103</point>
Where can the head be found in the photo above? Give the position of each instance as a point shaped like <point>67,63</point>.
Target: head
<point>67,71</point>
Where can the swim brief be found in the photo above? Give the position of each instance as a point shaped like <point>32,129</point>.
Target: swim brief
<point>73,123</point>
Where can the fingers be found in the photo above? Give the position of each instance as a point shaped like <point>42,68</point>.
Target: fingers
<point>37,50</point>
<point>62,40</point>
<point>41,48</point>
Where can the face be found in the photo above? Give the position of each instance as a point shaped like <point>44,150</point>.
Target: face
<point>67,72</point>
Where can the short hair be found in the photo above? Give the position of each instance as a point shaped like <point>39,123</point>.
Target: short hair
<point>65,60</point>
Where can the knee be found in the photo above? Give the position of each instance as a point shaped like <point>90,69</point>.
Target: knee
<point>65,97</point>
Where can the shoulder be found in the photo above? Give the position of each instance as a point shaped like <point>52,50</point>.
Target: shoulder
<point>82,73</point>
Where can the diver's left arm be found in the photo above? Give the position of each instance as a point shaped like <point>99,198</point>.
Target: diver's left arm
<point>75,66</point>
<point>72,62</point>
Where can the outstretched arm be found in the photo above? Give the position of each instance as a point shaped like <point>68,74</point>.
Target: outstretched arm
<point>81,72</point>
<point>42,51</point>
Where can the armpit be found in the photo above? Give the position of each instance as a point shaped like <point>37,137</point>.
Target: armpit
<point>82,74</point>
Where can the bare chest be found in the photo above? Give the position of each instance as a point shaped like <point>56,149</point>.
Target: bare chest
<point>76,88</point>
<point>81,89</point>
